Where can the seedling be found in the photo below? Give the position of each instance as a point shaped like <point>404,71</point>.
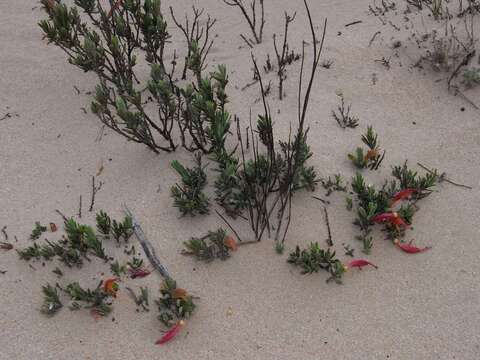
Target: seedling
<point>174,304</point>
<point>96,300</point>
<point>343,117</point>
<point>37,231</point>
<point>51,302</point>
<point>373,157</point>
<point>335,184</point>
<point>471,77</point>
<point>189,197</point>
<point>314,259</point>
<point>212,246</point>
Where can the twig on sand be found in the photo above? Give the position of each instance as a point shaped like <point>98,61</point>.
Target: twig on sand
<point>322,200</point>
<point>443,177</point>
<point>61,214</point>
<point>95,189</point>
<point>373,38</point>
<point>353,23</point>
<point>80,207</point>
<point>327,221</point>
<point>146,245</point>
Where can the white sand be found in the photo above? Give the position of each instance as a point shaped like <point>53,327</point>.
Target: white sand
<point>414,307</point>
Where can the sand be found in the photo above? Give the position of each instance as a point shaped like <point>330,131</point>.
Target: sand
<point>413,307</point>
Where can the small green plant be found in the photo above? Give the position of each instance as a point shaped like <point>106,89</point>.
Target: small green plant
<point>343,117</point>
<point>96,300</point>
<point>122,230</point>
<point>37,231</point>
<point>279,247</point>
<point>349,203</point>
<point>209,247</point>
<point>189,197</point>
<point>174,303</point>
<point>135,263</point>
<point>335,184</point>
<point>371,202</point>
<point>51,300</point>
<point>471,77</point>
<point>373,158</point>
<point>117,269</point>
<point>104,223</point>
<point>314,259</point>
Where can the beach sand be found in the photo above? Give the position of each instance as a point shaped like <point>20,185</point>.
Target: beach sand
<point>254,305</point>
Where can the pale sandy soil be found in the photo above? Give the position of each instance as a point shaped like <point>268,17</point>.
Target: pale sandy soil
<point>413,307</point>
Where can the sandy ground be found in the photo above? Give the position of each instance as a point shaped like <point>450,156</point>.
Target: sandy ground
<point>413,307</point>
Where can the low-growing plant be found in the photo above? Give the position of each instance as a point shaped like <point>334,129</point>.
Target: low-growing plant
<point>373,157</point>
<point>209,247</point>
<point>314,259</point>
<point>110,43</point>
<point>37,231</point>
<point>97,300</point>
<point>375,204</point>
<point>51,300</point>
<point>189,197</point>
<point>471,77</point>
<point>335,184</point>
<point>343,117</point>
<point>174,303</point>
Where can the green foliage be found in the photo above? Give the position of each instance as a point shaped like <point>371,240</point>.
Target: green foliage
<point>409,179</point>
<point>108,45</point>
<point>471,77</point>
<point>37,231</point>
<point>96,299</point>
<point>279,247</point>
<point>335,184</point>
<point>135,263</point>
<point>373,157</point>
<point>349,203</point>
<point>122,230</point>
<point>173,308</point>
<point>51,300</point>
<point>189,197</point>
<point>371,202</point>
<point>117,269</point>
<point>104,223</point>
<point>82,238</point>
<point>314,259</point>
<point>208,247</point>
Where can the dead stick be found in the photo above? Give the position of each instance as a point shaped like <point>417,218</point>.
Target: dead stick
<point>61,214</point>
<point>95,189</point>
<point>322,200</point>
<point>329,240</point>
<point>353,23</point>
<point>373,38</point>
<point>444,178</point>
<point>80,208</point>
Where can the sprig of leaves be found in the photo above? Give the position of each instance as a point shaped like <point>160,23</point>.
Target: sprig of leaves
<point>373,157</point>
<point>189,197</point>
<point>174,303</point>
<point>51,300</point>
<point>37,231</point>
<point>209,247</point>
<point>314,259</point>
